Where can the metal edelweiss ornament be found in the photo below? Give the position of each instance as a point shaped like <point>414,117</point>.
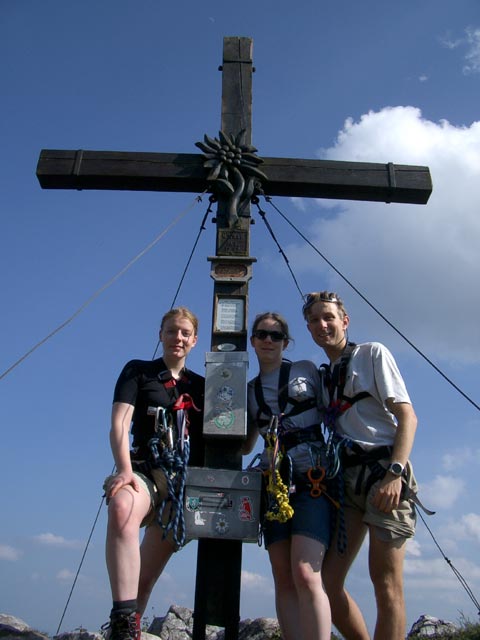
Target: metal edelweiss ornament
<point>234,171</point>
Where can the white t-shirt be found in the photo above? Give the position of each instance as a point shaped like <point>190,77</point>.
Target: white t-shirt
<point>368,422</point>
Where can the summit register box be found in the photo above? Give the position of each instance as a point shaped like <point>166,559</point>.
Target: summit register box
<point>225,413</point>
<point>222,504</point>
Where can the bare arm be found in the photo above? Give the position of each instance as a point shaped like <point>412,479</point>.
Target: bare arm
<point>122,414</point>
<point>406,427</point>
<point>387,496</point>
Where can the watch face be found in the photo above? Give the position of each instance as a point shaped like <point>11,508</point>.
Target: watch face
<point>396,468</point>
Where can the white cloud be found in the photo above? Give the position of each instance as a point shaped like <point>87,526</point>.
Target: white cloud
<point>256,582</point>
<point>415,263</point>
<point>449,43</point>
<point>466,528</point>
<point>471,41</point>
<point>65,575</point>
<point>52,540</point>
<point>170,588</point>
<point>299,203</point>
<point>9,553</point>
<point>458,458</point>
<point>413,548</point>
<point>472,56</point>
<point>471,521</point>
<point>442,492</point>
<point>437,577</point>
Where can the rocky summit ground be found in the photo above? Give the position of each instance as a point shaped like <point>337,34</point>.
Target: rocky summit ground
<point>178,625</point>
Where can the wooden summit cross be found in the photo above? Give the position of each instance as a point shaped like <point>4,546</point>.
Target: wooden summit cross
<point>231,170</point>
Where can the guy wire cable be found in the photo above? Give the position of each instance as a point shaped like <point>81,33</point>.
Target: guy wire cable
<point>255,201</point>
<point>457,573</point>
<point>212,199</point>
<point>197,199</point>
<point>377,311</point>
<point>103,288</point>
<point>81,561</point>
<point>459,576</point>
<point>202,228</point>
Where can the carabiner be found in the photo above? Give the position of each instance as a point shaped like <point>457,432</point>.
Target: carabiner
<point>315,476</point>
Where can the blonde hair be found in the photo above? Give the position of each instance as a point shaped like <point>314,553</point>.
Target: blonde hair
<point>183,312</point>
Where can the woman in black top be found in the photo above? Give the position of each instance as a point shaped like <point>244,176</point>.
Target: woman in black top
<point>161,402</point>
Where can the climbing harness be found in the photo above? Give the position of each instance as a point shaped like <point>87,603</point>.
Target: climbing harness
<point>169,452</point>
<point>338,404</point>
<point>164,457</point>
<point>343,452</point>
<point>279,441</point>
<point>335,383</point>
<point>298,406</point>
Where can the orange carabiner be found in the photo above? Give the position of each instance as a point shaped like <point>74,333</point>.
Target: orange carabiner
<point>315,476</point>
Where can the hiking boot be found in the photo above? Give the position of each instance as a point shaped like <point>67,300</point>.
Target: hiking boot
<point>123,626</point>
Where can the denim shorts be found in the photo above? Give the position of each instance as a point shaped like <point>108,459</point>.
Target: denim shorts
<point>311,518</point>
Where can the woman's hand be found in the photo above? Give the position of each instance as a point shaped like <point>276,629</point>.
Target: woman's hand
<point>114,483</point>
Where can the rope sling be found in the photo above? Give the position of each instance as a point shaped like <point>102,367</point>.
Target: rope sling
<point>169,453</point>
<point>279,507</point>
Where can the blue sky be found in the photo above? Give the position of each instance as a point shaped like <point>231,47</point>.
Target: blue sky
<point>372,81</point>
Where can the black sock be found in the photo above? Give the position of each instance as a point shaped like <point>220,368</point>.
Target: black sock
<point>124,606</point>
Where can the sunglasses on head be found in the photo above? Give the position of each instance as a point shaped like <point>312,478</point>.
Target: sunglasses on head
<point>312,298</point>
<point>276,336</point>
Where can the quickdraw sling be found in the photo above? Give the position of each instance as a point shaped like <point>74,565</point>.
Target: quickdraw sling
<point>279,507</point>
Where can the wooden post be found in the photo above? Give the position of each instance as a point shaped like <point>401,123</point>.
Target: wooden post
<point>219,562</point>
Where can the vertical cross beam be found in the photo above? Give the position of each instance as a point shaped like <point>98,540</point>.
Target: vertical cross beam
<point>217,591</point>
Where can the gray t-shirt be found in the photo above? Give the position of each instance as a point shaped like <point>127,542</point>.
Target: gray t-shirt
<point>303,384</point>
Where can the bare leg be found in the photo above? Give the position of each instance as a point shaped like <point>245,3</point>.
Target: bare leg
<point>314,607</point>
<point>386,571</point>
<point>155,553</point>
<point>346,614</point>
<point>286,600</point>
<point>126,511</point>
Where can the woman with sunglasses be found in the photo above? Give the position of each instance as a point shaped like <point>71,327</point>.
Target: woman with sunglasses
<point>284,406</point>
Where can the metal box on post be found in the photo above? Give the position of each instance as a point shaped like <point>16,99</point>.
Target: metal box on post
<point>225,394</point>
<point>222,504</point>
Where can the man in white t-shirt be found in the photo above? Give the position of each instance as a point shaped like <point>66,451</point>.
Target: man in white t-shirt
<point>370,414</point>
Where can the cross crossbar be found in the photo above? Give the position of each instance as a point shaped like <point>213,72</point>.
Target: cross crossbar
<point>184,172</point>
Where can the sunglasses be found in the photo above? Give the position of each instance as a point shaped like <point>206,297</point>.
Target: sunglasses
<point>276,336</point>
<point>312,298</point>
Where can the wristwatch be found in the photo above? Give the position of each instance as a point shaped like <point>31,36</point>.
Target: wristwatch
<point>396,468</point>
